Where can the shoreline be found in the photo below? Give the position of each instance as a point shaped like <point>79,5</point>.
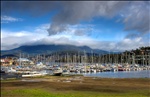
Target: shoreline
<point>67,76</point>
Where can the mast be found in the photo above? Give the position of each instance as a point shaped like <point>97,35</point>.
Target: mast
<point>20,58</point>
<point>121,59</point>
<point>78,58</point>
<point>109,57</point>
<point>67,58</point>
<point>92,56</point>
<point>143,58</point>
<point>126,58</point>
<point>85,60</point>
<point>99,58</point>
<point>129,59</point>
<point>133,58</point>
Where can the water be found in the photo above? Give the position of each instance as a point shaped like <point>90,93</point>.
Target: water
<point>121,74</point>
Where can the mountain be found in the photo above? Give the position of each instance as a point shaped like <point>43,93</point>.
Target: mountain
<point>47,49</point>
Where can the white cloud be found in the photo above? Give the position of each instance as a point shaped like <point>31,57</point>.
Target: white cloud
<point>42,28</point>
<point>39,35</point>
<point>11,40</point>
<point>128,44</point>
<point>7,19</point>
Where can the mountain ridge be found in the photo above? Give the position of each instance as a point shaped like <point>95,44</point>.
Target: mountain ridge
<point>47,49</point>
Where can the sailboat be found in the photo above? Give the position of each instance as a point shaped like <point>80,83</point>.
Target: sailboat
<point>57,71</point>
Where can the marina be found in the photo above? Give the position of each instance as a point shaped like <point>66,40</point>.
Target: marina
<point>75,48</point>
<point>93,71</point>
<point>120,65</point>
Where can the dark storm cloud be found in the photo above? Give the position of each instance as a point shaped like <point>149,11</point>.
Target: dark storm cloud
<point>138,17</point>
<point>32,7</point>
<point>135,15</point>
<point>76,12</point>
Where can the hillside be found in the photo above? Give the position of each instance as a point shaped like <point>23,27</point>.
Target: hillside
<point>48,49</point>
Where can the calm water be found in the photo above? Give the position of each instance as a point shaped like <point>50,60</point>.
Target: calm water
<point>121,74</point>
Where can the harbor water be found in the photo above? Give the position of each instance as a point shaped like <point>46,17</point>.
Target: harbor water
<point>121,74</point>
<point>118,74</point>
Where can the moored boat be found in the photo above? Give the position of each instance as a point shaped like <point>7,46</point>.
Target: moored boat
<point>31,74</point>
<point>57,71</point>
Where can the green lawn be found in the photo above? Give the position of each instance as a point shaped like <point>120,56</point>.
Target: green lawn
<point>44,93</point>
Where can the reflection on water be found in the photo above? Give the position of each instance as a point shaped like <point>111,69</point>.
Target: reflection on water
<point>121,74</point>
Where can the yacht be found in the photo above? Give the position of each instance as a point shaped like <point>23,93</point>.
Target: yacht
<point>31,74</point>
<point>57,71</point>
<point>65,72</point>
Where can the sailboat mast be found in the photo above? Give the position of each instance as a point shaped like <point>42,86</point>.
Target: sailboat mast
<point>85,60</point>
<point>92,56</point>
<point>20,58</point>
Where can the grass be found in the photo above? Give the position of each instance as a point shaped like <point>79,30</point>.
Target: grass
<point>44,93</point>
<point>79,87</point>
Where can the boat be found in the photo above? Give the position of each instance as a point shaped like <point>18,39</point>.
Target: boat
<point>65,72</point>
<point>82,70</point>
<point>113,69</point>
<point>2,71</point>
<point>7,70</point>
<point>93,70</point>
<point>11,70</point>
<point>31,74</point>
<point>57,71</point>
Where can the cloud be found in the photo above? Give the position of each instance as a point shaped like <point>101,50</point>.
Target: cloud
<point>138,17</point>
<point>42,29</point>
<point>134,14</point>
<point>7,19</point>
<point>10,40</point>
<point>75,12</point>
<point>65,27</point>
<point>128,44</point>
<point>80,32</point>
<point>80,29</point>
<point>35,8</point>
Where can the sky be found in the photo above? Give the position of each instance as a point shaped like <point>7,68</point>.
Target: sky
<point>105,25</point>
